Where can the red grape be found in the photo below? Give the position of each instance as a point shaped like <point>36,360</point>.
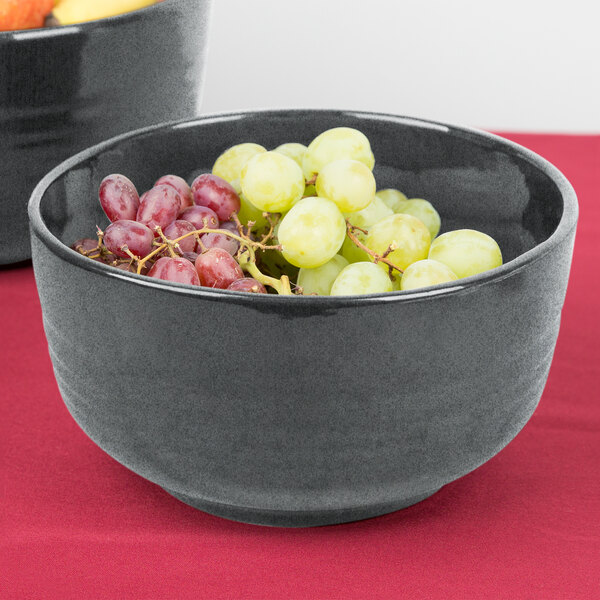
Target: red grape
<point>177,229</point>
<point>248,284</point>
<point>136,236</point>
<point>84,244</point>
<point>230,226</point>
<point>159,207</point>
<point>218,269</point>
<point>196,215</point>
<point>181,186</point>
<point>118,197</point>
<point>191,256</point>
<point>176,269</point>
<point>220,240</point>
<point>214,192</point>
<point>126,267</point>
<point>106,259</point>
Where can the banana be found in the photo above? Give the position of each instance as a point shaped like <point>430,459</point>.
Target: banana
<point>67,12</point>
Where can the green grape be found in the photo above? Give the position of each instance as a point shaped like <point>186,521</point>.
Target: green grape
<point>392,198</point>
<point>349,183</point>
<point>312,232</point>
<point>334,144</point>
<point>236,185</point>
<point>319,281</point>
<point>249,212</point>
<point>351,252</point>
<point>397,283</point>
<point>272,182</point>
<point>368,216</point>
<point>424,273</point>
<point>292,150</point>
<point>466,251</point>
<point>229,165</point>
<point>361,278</point>
<point>406,234</point>
<point>424,211</point>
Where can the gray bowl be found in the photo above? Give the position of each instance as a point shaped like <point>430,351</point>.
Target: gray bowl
<point>63,89</point>
<point>302,411</point>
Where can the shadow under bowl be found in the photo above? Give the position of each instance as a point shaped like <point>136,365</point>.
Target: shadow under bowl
<point>300,411</point>
<point>63,89</point>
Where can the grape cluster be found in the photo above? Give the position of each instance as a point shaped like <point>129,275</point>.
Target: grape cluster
<point>293,220</point>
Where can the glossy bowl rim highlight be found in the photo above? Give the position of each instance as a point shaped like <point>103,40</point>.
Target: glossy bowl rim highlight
<point>567,222</point>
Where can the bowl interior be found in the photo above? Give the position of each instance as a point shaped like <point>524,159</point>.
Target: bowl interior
<point>474,181</point>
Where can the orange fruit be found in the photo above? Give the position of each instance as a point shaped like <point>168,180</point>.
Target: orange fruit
<point>24,14</point>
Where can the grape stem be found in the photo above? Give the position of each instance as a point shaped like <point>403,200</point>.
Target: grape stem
<point>377,258</point>
<point>247,261</point>
<point>272,224</point>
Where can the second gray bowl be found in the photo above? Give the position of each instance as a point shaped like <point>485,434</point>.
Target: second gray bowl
<point>309,410</point>
<point>63,89</point>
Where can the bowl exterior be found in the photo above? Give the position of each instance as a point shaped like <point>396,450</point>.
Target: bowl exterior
<point>66,88</point>
<point>301,413</point>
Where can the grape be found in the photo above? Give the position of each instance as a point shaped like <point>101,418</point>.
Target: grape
<point>216,194</point>
<point>200,217</point>
<point>84,244</point>
<point>272,182</point>
<point>218,269</point>
<point>105,259</point>
<point>191,256</point>
<point>220,240</point>
<point>180,186</point>
<point>335,144</point>
<point>229,165</point>
<point>292,150</point>
<point>405,233</point>
<point>176,269</point>
<point>392,198</point>
<point>119,198</point>
<point>424,273</point>
<point>351,252</point>
<point>424,211</point>
<point>159,207</point>
<point>319,281</point>
<point>249,212</point>
<point>178,228</point>
<point>349,183</point>
<point>136,236</point>
<point>230,226</point>
<point>312,232</point>
<point>361,278</point>
<point>248,284</point>
<point>368,216</point>
<point>130,268</point>
<point>466,251</point>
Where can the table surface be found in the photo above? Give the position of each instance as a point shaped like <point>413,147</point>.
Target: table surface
<point>76,524</point>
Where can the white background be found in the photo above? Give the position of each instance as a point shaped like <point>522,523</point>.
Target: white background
<point>510,65</point>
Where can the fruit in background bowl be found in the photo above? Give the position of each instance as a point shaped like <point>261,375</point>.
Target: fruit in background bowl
<point>24,14</point>
<point>33,14</point>
<point>68,12</point>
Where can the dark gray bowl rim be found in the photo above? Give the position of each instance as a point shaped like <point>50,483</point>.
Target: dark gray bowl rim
<point>23,35</point>
<point>566,224</point>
